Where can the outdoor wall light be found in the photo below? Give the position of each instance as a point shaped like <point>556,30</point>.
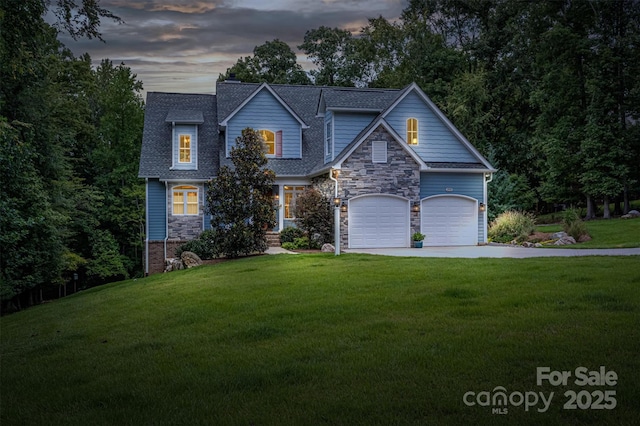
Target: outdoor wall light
<point>343,207</point>
<point>415,207</point>
<point>336,202</point>
<point>482,207</point>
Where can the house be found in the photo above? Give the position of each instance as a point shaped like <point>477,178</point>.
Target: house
<point>399,164</point>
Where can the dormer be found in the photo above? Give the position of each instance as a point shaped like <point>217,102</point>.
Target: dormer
<point>184,131</point>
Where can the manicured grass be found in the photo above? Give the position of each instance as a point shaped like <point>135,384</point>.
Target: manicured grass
<point>611,233</point>
<point>315,339</point>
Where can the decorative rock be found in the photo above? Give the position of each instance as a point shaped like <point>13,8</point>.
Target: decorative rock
<point>538,245</point>
<point>528,244</point>
<point>328,248</point>
<point>559,235</point>
<point>172,264</point>
<point>565,241</point>
<point>190,259</point>
<point>632,214</point>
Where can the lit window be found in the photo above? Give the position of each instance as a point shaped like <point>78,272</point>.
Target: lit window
<point>185,200</point>
<point>185,148</point>
<point>269,139</point>
<point>412,131</point>
<point>290,195</point>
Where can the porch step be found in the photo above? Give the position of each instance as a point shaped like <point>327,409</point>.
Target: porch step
<point>273,239</point>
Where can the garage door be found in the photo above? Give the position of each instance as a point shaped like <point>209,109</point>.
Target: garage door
<point>450,221</point>
<point>377,221</point>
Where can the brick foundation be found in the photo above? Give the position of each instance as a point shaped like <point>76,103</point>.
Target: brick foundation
<point>156,254</point>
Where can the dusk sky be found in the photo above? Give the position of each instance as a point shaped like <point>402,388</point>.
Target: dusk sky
<point>183,45</point>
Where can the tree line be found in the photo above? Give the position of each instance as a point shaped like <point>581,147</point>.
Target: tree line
<point>70,200</point>
<point>547,90</point>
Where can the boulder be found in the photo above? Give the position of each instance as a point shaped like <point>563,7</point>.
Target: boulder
<point>190,259</point>
<point>328,248</point>
<point>632,214</point>
<point>528,244</point>
<point>172,264</point>
<point>558,235</point>
<point>565,241</point>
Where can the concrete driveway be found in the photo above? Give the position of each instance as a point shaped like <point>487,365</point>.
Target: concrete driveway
<point>495,251</point>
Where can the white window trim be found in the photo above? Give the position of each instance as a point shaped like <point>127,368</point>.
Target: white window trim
<point>180,135</point>
<point>328,140</point>
<point>175,149</point>
<point>379,152</point>
<point>417,131</point>
<point>184,189</point>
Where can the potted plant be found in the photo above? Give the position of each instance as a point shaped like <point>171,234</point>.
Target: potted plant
<point>417,238</point>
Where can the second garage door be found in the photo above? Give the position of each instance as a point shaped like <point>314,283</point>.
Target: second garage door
<point>378,221</point>
<point>450,221</point>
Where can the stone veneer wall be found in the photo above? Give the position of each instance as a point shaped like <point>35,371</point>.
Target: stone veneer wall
<point>400,175</point>
<point>185,227</point>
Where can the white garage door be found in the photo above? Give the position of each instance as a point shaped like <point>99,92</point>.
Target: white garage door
<point>377,221</point>
<point>450,221</point>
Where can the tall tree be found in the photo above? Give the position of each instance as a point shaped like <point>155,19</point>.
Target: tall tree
<point>239,199</point>
<point>272,62</point>
<point>332,50</point>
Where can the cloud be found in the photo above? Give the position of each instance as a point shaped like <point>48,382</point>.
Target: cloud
<point>195,41</point>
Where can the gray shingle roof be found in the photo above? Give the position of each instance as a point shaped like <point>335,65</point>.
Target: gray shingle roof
<point>352,98</point>
<point>210,110</point>
<point>155,158</point>
<point>184,116</point>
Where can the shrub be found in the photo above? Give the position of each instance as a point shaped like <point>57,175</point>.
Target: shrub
<point>573,225</point>
<point>204,246</point>
<point>302,243</point>
<point>314,215</point>
<point>297,244</point>
<point>512,225</point>
<point>290,233</point>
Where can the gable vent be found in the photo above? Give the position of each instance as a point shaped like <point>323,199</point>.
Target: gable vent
<point>379,151</point>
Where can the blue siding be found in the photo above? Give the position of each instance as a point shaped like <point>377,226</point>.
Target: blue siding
<point>469,184</point>
<point>156,210</point>
<point>435,141</point>
<point>346,126</point>
<point>185,130</point>
<point>265,112</point>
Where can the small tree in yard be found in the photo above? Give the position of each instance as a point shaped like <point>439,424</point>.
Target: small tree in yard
<point>239,199</point>
<point>314,216</point>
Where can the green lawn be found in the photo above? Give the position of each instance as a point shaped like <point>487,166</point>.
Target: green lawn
<point>611,233</point>
<point>315,339</point>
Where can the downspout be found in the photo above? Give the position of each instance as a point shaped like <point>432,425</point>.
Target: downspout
<point>146,227</point>
<point>336,214</point>
<point>166,223</point>
<point>486,210</point>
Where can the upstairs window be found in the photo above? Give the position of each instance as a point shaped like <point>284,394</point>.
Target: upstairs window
<point>185,149</point>
<point>412,131</point>
<point>185,200</point>
<point>269,140</point>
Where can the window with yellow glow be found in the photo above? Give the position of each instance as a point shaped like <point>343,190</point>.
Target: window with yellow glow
<point>290,195</point>
<point>185,149</point>
<point>412,131</point>
<point>185,200</point>
<point>269,139</point>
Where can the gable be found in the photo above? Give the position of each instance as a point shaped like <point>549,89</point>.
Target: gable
<point>265,112</point>
<point>436,141</point>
